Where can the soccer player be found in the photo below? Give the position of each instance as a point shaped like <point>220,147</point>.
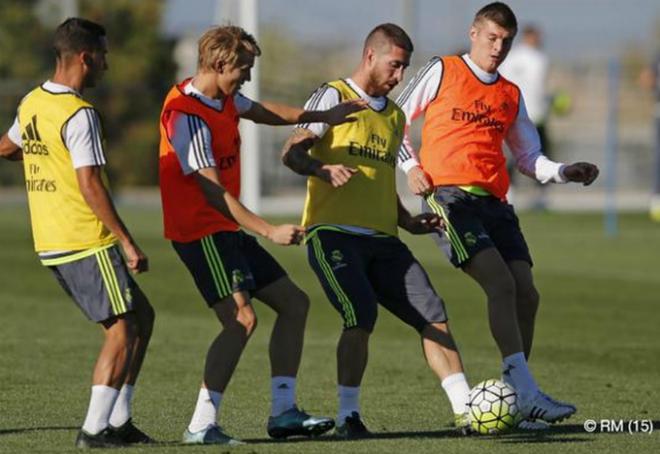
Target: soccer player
<point>351,215</point>
<point>77,231</point>
<point>469,111</point>
<point>200,185</point>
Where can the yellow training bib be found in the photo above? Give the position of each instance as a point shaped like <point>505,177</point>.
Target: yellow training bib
<point>61,219</point>
<point>370,145</point>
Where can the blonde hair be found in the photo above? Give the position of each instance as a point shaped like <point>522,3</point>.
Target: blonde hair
<point>225,43</point>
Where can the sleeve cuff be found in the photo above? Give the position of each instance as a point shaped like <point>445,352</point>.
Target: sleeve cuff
<point>560,177</point>
<point>408,164</point>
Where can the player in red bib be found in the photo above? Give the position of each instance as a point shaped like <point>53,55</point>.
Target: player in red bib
<point>200,187</point>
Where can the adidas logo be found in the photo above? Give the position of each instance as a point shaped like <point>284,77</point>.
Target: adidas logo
<point>508,370</point>
<point>32,143</point>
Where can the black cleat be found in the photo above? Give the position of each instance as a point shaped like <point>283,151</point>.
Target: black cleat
<point>104,439</point>
<point>296,422</point>
<point>130,434</point>
<point>353,428</point>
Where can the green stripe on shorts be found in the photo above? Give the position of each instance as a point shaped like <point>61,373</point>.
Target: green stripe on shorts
<point>349,312</point>
<point>454,238</point>
<point>217,269</point>
<point>110,282</point>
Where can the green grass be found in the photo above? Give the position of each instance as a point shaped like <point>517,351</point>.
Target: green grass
<point>596,345</point>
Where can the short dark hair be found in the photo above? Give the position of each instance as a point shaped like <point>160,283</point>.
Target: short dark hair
<point>76,35</point>
<point>500,13</point>
<point>389,34</point>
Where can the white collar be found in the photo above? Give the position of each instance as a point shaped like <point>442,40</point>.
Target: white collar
<point>485,77</point>
<point>376,102</point>
<point>190,89</point>
<point>58,88</point>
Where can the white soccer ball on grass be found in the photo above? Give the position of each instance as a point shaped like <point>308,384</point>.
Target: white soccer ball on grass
<point>493,407</point>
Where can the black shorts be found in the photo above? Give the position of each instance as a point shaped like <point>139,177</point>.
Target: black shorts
<point>99,283</point>
<point>228,262</point>
<point>474,223</point>
<point>359,271</point>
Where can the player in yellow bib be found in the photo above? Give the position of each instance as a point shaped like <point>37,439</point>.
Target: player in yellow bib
<point>77,230</point>
<point>352,214</point>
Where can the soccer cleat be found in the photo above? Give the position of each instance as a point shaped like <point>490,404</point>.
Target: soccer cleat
<point>297,422</point>
<point>543,407</point>
<point>353,428</point>
<point>559,402</point>
<point>537,425</point>
<point>104,439</point>
<point>212,435</point>
<point>462,423</point>
<point>130,434</point>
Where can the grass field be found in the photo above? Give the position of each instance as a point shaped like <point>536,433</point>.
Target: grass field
<point>597,345</point>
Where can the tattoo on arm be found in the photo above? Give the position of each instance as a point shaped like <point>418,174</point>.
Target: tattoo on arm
<point>295,152</point>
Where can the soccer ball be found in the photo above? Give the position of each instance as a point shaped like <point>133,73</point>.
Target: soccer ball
<point>493,408</point>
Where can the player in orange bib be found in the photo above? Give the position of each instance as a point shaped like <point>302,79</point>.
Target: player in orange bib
<point>470,110</point>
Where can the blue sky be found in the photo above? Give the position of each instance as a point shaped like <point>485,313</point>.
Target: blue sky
<point>574,29</point>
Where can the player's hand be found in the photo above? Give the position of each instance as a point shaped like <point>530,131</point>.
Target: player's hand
<point>581,172</point>
<point>286,234</point>
<point>136,260</point>
<point>340,113</point>
<point>424,223</point>
<point>418,181</point>
<point>336,174</point>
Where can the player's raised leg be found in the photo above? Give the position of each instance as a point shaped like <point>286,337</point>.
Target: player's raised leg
<point>403,287</point>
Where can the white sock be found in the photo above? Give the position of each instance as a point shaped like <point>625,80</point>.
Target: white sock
<point>283,392</point>
<point>121,412</point>
<point>206,410</point>
<point>515,372</point>
<point>100,406</point>
<point>457,389</point>
<point>349,402</point>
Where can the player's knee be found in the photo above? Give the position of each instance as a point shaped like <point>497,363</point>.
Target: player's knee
<point>361,328</point>
<point>503,290</point>
<point>122,330</point>
<point>144,313</point>
<point>299,305</point>
<point>147,319</point>
<point>356,334</point>
<point>528,301</point>
<point>442,327</point>
<point>294,304</point>
<point>440,334</point>
<point>131,328</point>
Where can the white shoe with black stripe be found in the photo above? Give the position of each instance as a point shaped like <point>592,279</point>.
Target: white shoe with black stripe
<point>545,408</point>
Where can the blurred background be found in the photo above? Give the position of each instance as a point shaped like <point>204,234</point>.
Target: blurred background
<point>600,80</point>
